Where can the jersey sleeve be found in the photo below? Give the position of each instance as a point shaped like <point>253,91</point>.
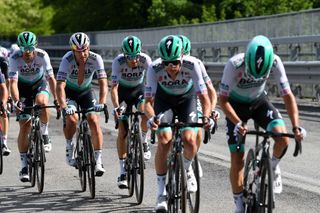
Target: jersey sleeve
<point>199,85</point>
<point>204,73</point>
<point>48,67</point>
<point>63,70</point>
<point>13,69</point>
<point>100,71</point>
<point>228,79</point>
<point>280,77</point>
<point>115,75</point>
<point>151,84</point>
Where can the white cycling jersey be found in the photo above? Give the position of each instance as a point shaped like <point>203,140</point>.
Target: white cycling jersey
<point>188,76</point>
<point>4,52</point>
<point>204,73</point>
<point>68,70</point>
<point>240,87</point>
<point>124,75</point>
<point>30,73</point>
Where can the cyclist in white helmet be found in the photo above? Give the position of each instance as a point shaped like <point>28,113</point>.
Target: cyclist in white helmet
<point>30,75</point>
<point>74,79</point>
<point>242,96</point>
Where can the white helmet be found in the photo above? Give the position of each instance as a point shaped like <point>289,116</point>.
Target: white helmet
<point>79,41</point>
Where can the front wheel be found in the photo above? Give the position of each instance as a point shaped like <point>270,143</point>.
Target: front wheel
<point>138,165</point>
<point>90,166</point>
<point>79,158</point>
<point>249,182</point>
<point>1,155</point>
<point>129,164</point>
<point>40,163</point>
<point>193,199</point>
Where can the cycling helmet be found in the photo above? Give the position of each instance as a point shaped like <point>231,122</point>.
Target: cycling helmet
<point>79,41</point>
<point>259,57</point>
<point>186,44</point>
<point>27,41</point>
<point>170,48</point>
<point>131,46</point>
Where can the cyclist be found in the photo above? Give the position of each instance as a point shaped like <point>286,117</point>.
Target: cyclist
<point>30,71</point>
<point>128,71</point>
<point>74,79</point>
<point>4,64</point>
<point>186,44</point>
<point>172,83</point>
<point>242,96</point>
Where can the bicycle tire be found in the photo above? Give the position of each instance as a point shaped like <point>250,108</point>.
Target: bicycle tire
<point>129,165</point>
<point>265,199</point>
<point>79,157</point>
<point>1,154</point>
<point>248,182</point>
<point>90,165</point>
<point>31,160</point>
<point>194,198</point>
<point>40,165</point>
<point>138,167</point>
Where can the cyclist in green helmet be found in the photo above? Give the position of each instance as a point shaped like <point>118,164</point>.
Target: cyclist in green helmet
<point>242,96</point>
<point>173,81</point>
<point>30,77</point>
<point>128,74</point>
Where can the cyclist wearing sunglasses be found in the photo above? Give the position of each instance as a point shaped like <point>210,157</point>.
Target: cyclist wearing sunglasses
<point>128,73</point>
<point>186,44</point>
<point>30,71</point>
<point>173,81</point>
<point>74,79</point>
<point>242,96</point>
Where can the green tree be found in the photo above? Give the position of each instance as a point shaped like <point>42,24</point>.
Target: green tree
<point>20,15</point>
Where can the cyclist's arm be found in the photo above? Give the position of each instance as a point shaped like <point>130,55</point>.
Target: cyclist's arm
<point>212,95</point>
<point>149,111</point>
<point>114,95</point>
<point>103,90</point>
<point>4,94</point>
<point>228,109</point>
<point>292,109</point>
<point>53,84</point>
<point>61,94</point>
<point>14,90</point>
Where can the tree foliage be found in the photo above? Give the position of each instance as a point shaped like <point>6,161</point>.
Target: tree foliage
<point>60,16</point>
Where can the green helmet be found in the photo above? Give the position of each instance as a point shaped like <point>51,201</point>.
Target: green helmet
<point>131,45</point>
<point>170,48</point>
<point>27,41</point>
<point>259,57</point>
<point>186,44</point>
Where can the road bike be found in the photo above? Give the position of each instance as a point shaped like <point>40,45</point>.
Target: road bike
<point>176,186</point>
<point>36,155</point>
<point>134,163</point>
<point>258,173</point>
<point>2,111</point>
<point>84,154</point>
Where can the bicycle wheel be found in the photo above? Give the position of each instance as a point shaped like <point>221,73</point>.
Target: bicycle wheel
<point>79,157</point>
<point>31,160</point>
<point>194,198</point>
<point>138,164</point>
<point>90,165</point>
<point>249,182</point>
<point>178,194</point>
<point>39,164</point>
<point>129,164</point>
<point>1,155</point>
<point>265,199</point>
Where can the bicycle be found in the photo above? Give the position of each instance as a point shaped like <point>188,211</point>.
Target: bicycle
<point>177,181</point>
<point>258,173</point>
<point>2,111</point>
<point>134,163</point>
<point>84,154</point>
<point>36,155</point>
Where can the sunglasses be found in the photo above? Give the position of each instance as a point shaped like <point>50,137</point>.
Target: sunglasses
<point>25,49</point>
<point>132,57</point>
<point>174,63</point>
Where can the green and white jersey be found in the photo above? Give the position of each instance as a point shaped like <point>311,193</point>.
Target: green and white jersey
<point>68,71</point>
<point>30,73</point>
<point>240,87</point>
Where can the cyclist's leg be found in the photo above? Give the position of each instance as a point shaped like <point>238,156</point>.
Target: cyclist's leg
<point>144,129</point>
<point>42,98</point>
<point>237,157</point>
<point>4,119</point>
<point>269,118</point>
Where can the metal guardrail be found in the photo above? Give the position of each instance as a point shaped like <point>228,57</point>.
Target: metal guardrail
<point>303,76</point>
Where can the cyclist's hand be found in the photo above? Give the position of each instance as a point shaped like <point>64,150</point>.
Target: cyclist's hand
<point>98,107</point>
<point>299,133</point>
<point>153,123</point>
<point>55,102</point>
<point>69,110</point>
<point>240,128</point>
<point>209,123</point>
<point>215,115</point>
<point>19,106</point>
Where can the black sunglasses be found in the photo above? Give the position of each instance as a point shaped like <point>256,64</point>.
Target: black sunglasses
<point>174,63</point>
